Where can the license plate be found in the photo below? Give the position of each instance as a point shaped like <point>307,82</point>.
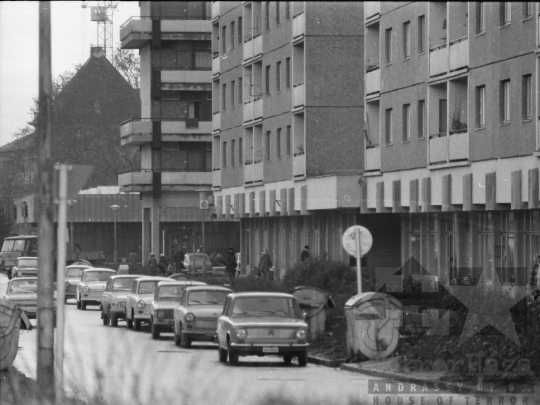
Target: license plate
<point>270,349</point>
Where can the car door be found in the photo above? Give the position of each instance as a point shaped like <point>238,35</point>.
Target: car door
<point>131,299</point>
<point>106,297</point>
<point>223,324</point>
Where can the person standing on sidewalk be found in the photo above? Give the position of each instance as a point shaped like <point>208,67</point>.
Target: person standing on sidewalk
<point>179,256</point>
<point>163,264</point>
<point>152,264</point>
<point>230,264</point>
<point>265,263</point>
<point>304,256</point>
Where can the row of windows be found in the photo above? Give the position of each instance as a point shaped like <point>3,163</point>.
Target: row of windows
<point>228,156</point>
<point>505,14</point>
<point>287,10</point>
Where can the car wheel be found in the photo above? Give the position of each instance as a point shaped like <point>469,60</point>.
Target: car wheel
<point>177,340</point>
<point>287,358</point>
<point>105,318</point>
<point>114,320</point>
<point>136,324</point>
<point>83,305</point>
<point>233,354</point>
<point>154,330</point>
<point>222,355</point>
<point>302,358</point>
<point>185,341</point>
<point>78,302</point>
<point>129,321</point>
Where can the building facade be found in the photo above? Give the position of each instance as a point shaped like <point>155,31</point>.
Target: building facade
<point>452,135</point>
<point>174,130</point>
<point>287,125</point>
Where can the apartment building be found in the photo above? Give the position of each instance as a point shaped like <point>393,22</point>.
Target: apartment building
<point>452,135</point>
<point>174,130</point>
<point>287,125</point>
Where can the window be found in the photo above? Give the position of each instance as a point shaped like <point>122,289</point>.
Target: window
<point>267,145</point>
<point>278,143</point>
<point>527,9</point>
<point>232,35</point>
<point>224,156</point>
<point>288,73</point>
<point>421,118</point>
<point>287,10</point>
<point>223,40</point>
<point>422,34</point>
<point>240,91</point>
<point>278,17</point>
<point>240,152</point>
<point>232,152</point>
<point>480,17</point>
<point>527,97</point>
<point>289,140</point>
<point>240,30</point>
<point>407,40</point>
<point>406,122</point>
<point>443,128</point>
<point>505,8</point>
<point>388,45</point>
<point>224,98</point>
<point>232,93</point>
<point>278,76</point>
<point>267,16</point>
<point>481,106</point>
<point>267,78</point>
<point>505,101</point>
<point>388,126</point>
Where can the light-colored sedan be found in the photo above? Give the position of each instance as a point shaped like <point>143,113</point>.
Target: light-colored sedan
<point>138,302</point>
<point>91,286</point>
<point>196,317</point>
<point>23,291</point>
<point>197,263</point>
<point>262,324</point>
<point>25,267</point>
<point>166,298</point>
<point>113,300</point>
<point>73,277</point>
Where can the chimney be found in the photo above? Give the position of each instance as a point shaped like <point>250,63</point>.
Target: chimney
<point>97,51</point>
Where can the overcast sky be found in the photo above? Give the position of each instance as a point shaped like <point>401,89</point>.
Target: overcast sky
<point>72,34</point>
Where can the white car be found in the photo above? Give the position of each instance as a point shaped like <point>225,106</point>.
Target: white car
<point>73,277</point>
<point>91,286</point>
<point>139,300</point>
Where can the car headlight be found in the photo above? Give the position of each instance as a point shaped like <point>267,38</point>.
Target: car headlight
<point>86,289</point>
<point>141,304</point>
<point>241,333</point>
<point>190,317</point>
<point>301,334</point>
<point>67,284</point>
<point>121,304</point>
<point>160,314</point>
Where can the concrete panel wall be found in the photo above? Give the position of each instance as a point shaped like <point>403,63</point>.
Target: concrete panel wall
<point>321,19</point>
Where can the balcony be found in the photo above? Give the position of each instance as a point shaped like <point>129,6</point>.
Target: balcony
<point>215,10</point>
<point>216,62</point>
<point>138,131</point>
<point>298,95</point>
<point>248,49</point>
<point>299,165</point>
<point>189,24</point>
<point>174,75</point>
<point>438,148</point>
<point>135,32</point>
<point>141,179</point>
<point>257,46</point>
<point>299,26</point>
<point>459,54</point>
<point>444,148</point>
<point>216,178</point>
<point>372,9</point>
<point>373,158</point>
<point>248,172</point>
<point>216,122</point>
<point>438,60</point>
<point>373,81</point>
<point>257,172</point>
<point>258,108</point>
<point>248,111</point>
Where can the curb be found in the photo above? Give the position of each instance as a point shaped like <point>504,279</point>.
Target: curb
<point>325,362</point>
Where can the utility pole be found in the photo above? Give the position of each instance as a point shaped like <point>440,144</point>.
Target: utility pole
<point>45,298</point>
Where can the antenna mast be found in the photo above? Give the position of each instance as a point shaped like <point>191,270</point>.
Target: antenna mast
<point>103,14</point>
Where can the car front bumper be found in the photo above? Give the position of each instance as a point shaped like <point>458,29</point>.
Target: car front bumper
<point>164,324</point>
<point>257,348</point>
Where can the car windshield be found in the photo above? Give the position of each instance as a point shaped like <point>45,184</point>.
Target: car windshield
<point>14,245</point>
<point>27,263</point>
<point>98,275</point>
<point>8,246</point>
<point>123,284</point>
<point>208,297</point>
<point>75,272</point>
<point>266,306</point>
<point>148,287</point>
<point>23,286</point>
<point>170,293</point>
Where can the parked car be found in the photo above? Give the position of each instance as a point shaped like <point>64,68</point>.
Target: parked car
<point>113,299</point>
<point>73,277</point>
<point>179,277</point>
<point>166,298</point>
<point>196,316</point>
<point>196,260</point>
<point>23,291</point>
<point>262,324</point>
<point>91,286</point>
<point>139,300</point>
<point>25,267</point>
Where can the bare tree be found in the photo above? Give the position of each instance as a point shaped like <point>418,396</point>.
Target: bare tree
<point>129,66</point>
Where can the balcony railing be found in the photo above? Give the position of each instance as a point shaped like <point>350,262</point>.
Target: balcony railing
<point>248,49</point>
<point>248,111</point>
<point>299,25</point>
<point>373,81</point>
<point>257,171</point>
<point>372,8</point>
<point>438,60</point>
<point>248,172</point>
<point>459,54</point>
<point>170,75</point>
<point>216,178</point>
<point>373,158</point>
<point>195,24</point>
<point>257,45</point>
<point>216,121</point>
<point>215,9</point>
<point>444,148</point>
<point>298,95</point>
<point>258,108</point>
<point>438,148</point>
<point>139,130</point>
<point>299,165</point>
<point>143,177</point>
<point>216,64</point>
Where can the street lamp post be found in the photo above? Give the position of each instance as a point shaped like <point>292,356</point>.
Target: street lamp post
<point>204,205</point>
<point>73,202</point>
<point>115,208</point>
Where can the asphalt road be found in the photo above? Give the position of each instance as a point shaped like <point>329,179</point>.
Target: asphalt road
<point>127,367</point>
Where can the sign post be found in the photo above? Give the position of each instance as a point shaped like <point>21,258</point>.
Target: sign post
<point>357,241</point>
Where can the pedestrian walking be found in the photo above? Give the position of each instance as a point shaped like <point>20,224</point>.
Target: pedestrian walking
<point>304,255</point>
<point>265,263</point>
<point>230,264</point>
<point>152,264</point>
<point>179,257</point>
<point>163,264</point>
<point>132,257</point>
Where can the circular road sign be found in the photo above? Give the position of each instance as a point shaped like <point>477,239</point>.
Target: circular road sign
<point>349,242</point>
